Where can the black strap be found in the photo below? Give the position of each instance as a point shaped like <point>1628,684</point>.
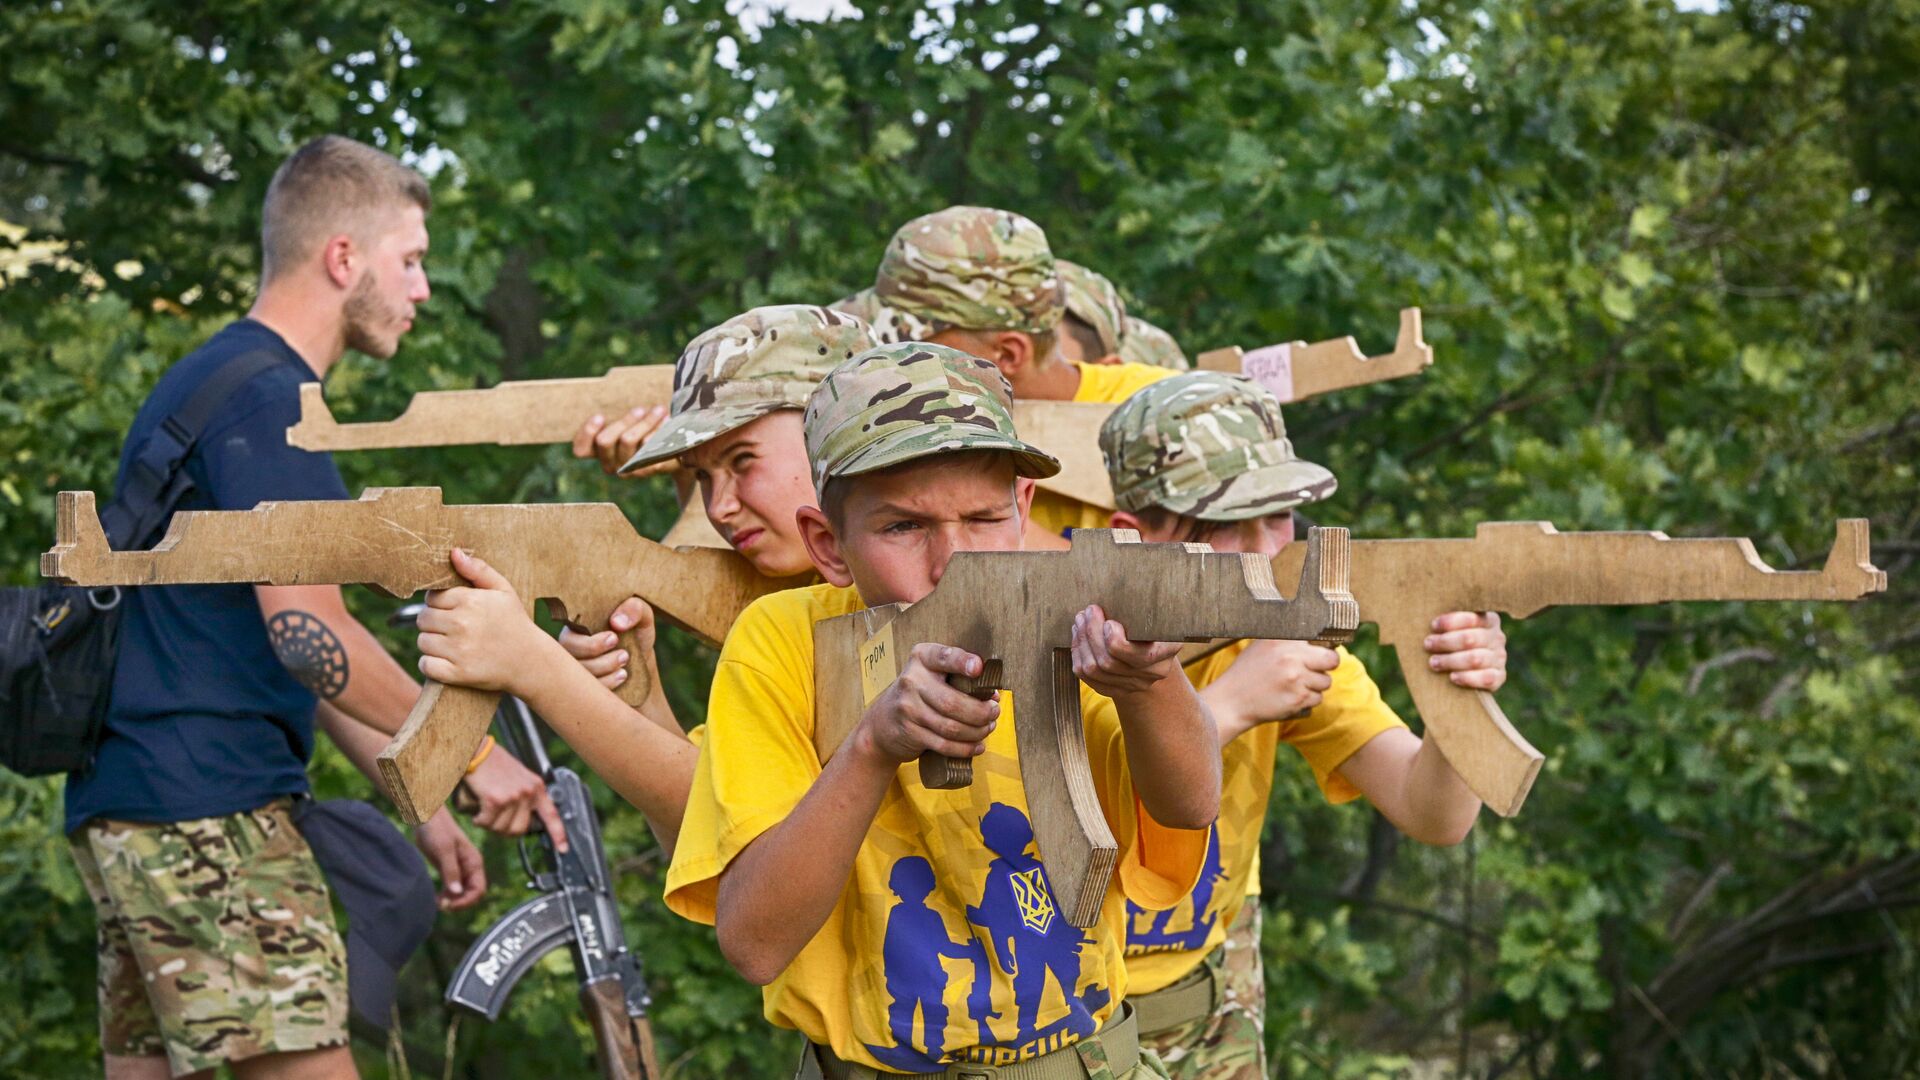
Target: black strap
<point>157,480</point>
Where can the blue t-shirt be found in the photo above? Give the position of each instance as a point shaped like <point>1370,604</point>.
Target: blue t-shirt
<point>204,720</point>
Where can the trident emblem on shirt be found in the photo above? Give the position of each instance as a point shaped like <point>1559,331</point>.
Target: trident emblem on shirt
<point>1035,901</point>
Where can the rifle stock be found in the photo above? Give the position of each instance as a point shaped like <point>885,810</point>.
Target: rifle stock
<point>1520,568</point>
<point>1017,608</point>
<point>626,1050</point>
<point>582,560</point>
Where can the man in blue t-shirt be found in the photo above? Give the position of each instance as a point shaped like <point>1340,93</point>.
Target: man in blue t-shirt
<point>217,938</point>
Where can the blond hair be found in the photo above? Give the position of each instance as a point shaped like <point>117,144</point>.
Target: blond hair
<point>329,186</point>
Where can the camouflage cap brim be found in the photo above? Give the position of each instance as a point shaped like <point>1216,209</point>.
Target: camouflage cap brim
<point>912,444</point>
<point>1265,490</point>
<point>689,429</point>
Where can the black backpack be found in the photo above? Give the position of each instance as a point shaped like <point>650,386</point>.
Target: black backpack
<point>57,642</point>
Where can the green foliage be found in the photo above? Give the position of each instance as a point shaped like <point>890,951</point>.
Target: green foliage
<point>1667,264</point>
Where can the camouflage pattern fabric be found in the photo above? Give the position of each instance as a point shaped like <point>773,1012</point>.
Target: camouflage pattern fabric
<point>891,326</point>
<point>217,940</point>
<point>972,268</point>
<point>1144,343</point>
<point>760,361</point>
<point>1093,299</point>
<point>899,403</point>
<point>1230,1044</point>
<point>1210,446</point>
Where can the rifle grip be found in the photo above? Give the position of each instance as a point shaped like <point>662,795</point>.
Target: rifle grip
<point>941,773</point>
<point>429,756</point>
<point>1473,734</point>
<point>639,684</point>
<point>624,1043</point>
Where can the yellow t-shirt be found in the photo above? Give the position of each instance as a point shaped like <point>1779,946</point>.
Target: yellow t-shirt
<point>1100,384</point>
<point>946,944</point>
<point>1163,946</point>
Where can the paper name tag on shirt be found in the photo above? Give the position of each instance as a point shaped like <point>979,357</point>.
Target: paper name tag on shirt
<point>879,665</point>
<point>1272,367</point>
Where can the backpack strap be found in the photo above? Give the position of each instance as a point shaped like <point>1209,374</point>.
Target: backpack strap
<point>158,480</point>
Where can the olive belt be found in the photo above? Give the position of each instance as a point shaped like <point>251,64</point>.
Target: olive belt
<point>1191,998</point>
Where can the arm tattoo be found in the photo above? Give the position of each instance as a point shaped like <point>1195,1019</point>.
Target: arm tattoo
<point>309,651</point>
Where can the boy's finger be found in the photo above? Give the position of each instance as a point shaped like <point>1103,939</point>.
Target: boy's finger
<point>1467,660</point>
<point>1318,658</point>
<point>1479,679</point>
<point>435,645</point>
<point>443,598</point>
<point>1317,682</point>
<point>952,729</point>
<point>475,569</point>
<point>436,669</point>
<point>946,659</point>
<point>1458,620</point>
<point>632,612</point>
<point>584,647</point>
<point>583,438</point>
<point>942,698</point>
<point>1459,640</point>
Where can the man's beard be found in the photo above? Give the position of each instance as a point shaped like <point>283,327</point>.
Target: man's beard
<point>365,314</point>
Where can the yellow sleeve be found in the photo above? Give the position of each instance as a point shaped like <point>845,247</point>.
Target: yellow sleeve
<point>1349,716</point>
<point>1158,865</point>
<point>757,758</point>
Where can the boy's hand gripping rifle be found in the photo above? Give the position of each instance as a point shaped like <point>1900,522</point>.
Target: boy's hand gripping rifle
<point>1519,568</point>
<point>576,909</point>
<point>582,559</point>
<point>1015,611</point>
<point>551,410</point>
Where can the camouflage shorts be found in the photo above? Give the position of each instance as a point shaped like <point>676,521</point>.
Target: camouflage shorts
<point>217,939</point>
<point>1230,1043</point>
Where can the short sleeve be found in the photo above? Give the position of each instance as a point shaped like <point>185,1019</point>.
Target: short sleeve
<point>1158,865</point>
<point>757,758</point>
<point>246,455</point>
<point>1350,715</point>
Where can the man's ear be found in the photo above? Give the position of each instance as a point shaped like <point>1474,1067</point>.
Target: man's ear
<point>823,547</point>
<point>1023,489</point>
<point>340,260</point>
<point>1121,519</point>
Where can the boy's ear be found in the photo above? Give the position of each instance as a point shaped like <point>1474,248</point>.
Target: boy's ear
<point>1014,353</point>
<point>823,547</point>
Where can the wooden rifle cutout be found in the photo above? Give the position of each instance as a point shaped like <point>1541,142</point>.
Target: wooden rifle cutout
<point>537,411</point>
<point>1296,371</point>
<point>1519,568</point>
<point>1015,609</point>
<point>581,559</point>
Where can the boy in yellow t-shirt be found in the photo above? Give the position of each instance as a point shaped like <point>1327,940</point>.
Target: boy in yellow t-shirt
<point>900,928</point>
<point>738,391</point>
<point>985,282</point>
<point>1204,457</point>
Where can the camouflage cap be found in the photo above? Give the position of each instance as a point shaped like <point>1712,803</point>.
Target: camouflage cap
<point>1208,445</point>
<point>890,325</point>
<point>760,361</point>
<point>899,403</point>
<point>1092,299</point>
<point>1144,343</point>
<point>972,268</point>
